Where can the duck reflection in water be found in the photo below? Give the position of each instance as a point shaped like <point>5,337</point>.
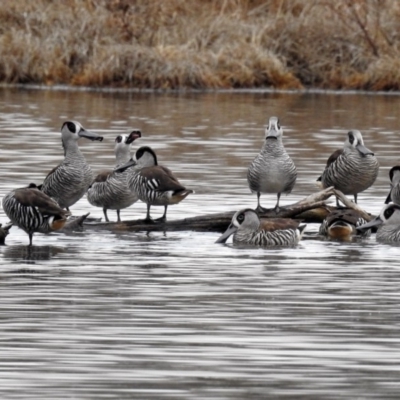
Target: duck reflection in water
<point>31,254</point>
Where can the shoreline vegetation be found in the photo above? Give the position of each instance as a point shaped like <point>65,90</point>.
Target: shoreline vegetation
<point>202,44</point>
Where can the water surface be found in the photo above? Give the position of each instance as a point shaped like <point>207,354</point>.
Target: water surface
<point>173,315</point>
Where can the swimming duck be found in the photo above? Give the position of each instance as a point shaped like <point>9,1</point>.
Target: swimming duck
<point>341,224</point>
<point>70,180</point>
<point>110,189</point>
<point>154,184</point>
<point>388,223</point>
<point>247,229</point>
<point>272,171</point>
<point>352,169</point>
<point>394,194</point>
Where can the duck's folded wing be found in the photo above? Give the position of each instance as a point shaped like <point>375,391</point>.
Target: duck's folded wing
<point>333,157</point>
<point>102,176</point>
<point>160,178</point>
<point>277,224</point>
<point>36,198</point>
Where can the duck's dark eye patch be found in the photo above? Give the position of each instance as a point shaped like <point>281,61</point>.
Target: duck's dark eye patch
<point>388,213</point>
<point>118,139</point>
<point>395,169</point>
<point>71,127</point>
<point>351,138</point>
<point>139,154</point>
<point>240,217</point>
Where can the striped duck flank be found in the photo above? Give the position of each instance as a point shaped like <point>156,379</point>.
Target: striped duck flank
<point>70,180</point>
<point>341,224</point>
<point>34,211</point>
<point>352,169</point>
<point>272,170</point>
<point>154,184</point>
<point>388,223</point>
<point>109,189</point>
<point>394,194</point>
<point>247,229</point>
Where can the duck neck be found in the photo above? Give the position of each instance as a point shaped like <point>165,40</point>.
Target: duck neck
<point>121,158</point>
<point>273,146</point>
<point>396,178</point>
<point>71,150</point>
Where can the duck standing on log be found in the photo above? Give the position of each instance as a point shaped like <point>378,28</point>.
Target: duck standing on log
<point>154,184</point>
<point>34,211</point>
<point>70,180</point>
<point>110,189</point>
<point>352,169</point>
<point>247,229</point>
<point>272,171</point>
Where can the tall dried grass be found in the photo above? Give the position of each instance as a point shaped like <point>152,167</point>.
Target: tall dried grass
<point>173,44</point>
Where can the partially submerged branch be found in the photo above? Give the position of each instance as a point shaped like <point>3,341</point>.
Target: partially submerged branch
<point>311,209</point>
<point>350,204</point>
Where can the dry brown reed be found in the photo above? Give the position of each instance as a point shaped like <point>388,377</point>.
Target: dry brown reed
<point>175,44</point>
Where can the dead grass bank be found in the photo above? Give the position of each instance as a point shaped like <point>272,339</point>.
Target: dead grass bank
<point>173,44</point>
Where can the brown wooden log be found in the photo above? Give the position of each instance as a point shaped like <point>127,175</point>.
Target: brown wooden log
<point>311,209</point>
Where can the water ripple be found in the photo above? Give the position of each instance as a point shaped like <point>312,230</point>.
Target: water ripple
<point>173,315</point>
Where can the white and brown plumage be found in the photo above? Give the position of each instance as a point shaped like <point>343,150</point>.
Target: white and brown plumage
<point>388,224</point>
<point>394,194</point>
<point>247,229</point>
<point>352,169</point>
<point>109,189</point>
<point>70,180</point>
<point>272,171</point>
<point>33,211</point>
<point>154,184</point>
<point>342,223</point>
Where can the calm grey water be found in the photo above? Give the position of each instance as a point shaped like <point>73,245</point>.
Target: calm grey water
<point>102,315</point>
